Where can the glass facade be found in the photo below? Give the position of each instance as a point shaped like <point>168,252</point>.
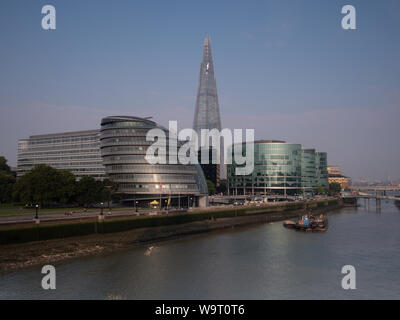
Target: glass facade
<point>279,168</point>
<point>123,149</point>
<point>308,170</point>
<point>206,114</point>
<point>77,151</point>
<point>322,169</point>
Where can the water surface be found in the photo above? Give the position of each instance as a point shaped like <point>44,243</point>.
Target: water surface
<point>261,262</point>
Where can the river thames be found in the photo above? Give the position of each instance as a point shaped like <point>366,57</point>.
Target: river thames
<point>264,261</point>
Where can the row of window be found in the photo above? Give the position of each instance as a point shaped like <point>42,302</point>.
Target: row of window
<point>47,159</point>
<point>42,153</point>
<point>62,140</point>
<point>153,177</point>
<point>137,168</point>
<point>64,164</point>
<point>122,124</point>
<point>63,147</point>
<point>134,187</point>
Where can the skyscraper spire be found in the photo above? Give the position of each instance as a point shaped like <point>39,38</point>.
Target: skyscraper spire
<point>206,114</point>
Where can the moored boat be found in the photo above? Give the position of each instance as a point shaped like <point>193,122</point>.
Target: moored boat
<point>289,224</point>
<point>308,223</point>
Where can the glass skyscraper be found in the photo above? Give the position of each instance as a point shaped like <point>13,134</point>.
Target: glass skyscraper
<point>280,168</point>
<point>206,115</point>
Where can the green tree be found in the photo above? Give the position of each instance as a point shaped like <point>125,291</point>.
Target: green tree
<point>111,191</point>
<point>90,191</point>
<point>321,190</point>
<point>6,187</point>
<point>7,181</point>
<point>4,166</point>
<point>44,185</point>
<point>211,187</point>
<point>334,188</point>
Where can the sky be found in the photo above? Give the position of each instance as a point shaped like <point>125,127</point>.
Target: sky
<point>284,68</point>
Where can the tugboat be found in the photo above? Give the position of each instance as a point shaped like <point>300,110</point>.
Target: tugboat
<point>308,223</point>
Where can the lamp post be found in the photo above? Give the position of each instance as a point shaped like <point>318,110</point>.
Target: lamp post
<point>136,205</point>
<point>101,212</point>
<point>160,197</point>
<point>37,209</point>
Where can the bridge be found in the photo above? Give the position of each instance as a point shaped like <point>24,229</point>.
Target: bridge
<point>375,188</point>
<point>376,196</point>
<point>351,198</point>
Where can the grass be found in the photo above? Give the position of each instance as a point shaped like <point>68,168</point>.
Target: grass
<point>22,210</point>
<point>10,209</point>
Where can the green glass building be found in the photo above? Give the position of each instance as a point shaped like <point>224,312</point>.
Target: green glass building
<point>308,171</point>
<point>321,162</point>
<point>279,168</point>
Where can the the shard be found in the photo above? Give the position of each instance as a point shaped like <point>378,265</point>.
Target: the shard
<point>207,114</point>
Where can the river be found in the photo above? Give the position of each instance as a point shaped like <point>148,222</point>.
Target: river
<point>260,262</point>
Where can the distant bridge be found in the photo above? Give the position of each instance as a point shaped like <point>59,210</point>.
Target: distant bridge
<point>376,196</point>
<point>375,188</point>
<point>352,197</point>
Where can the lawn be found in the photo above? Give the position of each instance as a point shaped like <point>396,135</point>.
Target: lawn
<point>7,209</point>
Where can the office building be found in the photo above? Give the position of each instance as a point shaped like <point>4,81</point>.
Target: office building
<point>123,149</point>
<point>279,168</point>
<point>336,176</point>
<point>77,151</point>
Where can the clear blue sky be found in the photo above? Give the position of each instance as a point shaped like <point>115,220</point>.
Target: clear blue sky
<point>285,68</point>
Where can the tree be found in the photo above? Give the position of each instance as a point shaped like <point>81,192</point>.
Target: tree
<point>321,190</point>
<point>4,166</point>
<point>6,187</point>
<point>7,181</point>
<point>222,186</point>
<point>334,188</point>
<point>66,187</point>
<point>111,191</point>
<point>211,187</point>
<point>45,185</point>
<point>90,191</point>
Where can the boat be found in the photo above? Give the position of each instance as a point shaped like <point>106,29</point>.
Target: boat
<point>308,223</point>
<point>289,224</point>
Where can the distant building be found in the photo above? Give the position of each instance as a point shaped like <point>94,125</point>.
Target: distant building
<point>336,176</point>
<point>78,152</point>
<point>280,168</point>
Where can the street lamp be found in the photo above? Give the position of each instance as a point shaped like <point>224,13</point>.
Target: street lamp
<point>101,212</point>
<point>136,206</point>
<point>37,209</point>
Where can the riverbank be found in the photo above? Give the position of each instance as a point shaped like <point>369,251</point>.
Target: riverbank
<point>15,256</point>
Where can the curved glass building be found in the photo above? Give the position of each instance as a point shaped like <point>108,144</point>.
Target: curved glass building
<point>279,168</point>
<point>123,149</point>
